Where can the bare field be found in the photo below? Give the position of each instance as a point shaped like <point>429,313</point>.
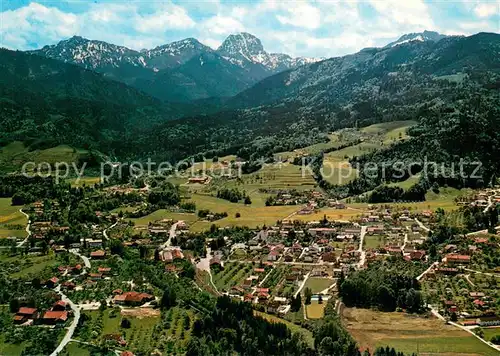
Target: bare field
<point>410,333</point>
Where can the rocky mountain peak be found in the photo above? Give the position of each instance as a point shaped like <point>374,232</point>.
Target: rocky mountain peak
<point>418,36</point>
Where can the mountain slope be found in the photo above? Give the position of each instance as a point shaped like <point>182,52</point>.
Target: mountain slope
<point>373,72</point>
<point>293,108</point>
<point>46,103</point>
<point>169,72</point>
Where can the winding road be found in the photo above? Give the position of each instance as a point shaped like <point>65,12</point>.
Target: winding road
<point>28,229</point>
<point>362,256</point>
<point>72,327</point>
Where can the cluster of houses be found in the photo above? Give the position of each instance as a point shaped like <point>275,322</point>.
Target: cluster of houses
<point>58,314</point>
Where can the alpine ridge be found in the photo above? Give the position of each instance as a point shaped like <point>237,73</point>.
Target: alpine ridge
<point>164,71</point>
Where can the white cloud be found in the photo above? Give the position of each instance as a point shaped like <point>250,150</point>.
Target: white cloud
<point>19,27</point>
<point>302,15</point>
<point>487,10</point>
<point>173,17</point>
<point>222,25</point>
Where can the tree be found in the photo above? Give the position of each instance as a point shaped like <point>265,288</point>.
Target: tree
<point>496,339</point>
<point>248,201</point>
<point>307,295</point>
<point>125,323</point>
<point>453,317</point>
<point>168,299</point>
<point>14,305</point>
<point>237,215</point>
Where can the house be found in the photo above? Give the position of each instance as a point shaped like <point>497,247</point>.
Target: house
<point>456,259</point>
<point>24,314</point>
<point>54,317</point>
<point>199,180</point>
<point>215,261</point>
<point>476,295</point>
<point>104,270</point>
<point>166,256</point>
<point>273,255</point>
<point>95,276</point>
<point>132,298</point>
<point>51,283</point>
<point>99,254</point>
<point>59,306</point>
<point>68,285</point>
<point>259,270</point>
<point>91,243</point>
<point>417,255</point>
<point>288,258</point>
<point>177,254</point>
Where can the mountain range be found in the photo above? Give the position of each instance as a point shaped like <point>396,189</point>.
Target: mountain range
<point>47,102</point>
<point>179,71</point>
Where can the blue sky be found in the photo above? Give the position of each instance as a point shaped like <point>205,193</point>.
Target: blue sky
<point>321,28</point>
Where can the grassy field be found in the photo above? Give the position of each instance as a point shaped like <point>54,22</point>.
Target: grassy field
<point>251,216</point>
<point>12,221</point>
<point>406,183</point>
<point>33,265</point>
<point>317,284</point>
<point>16,154</point>
<point>138,336</point>
<point>490,332</point>
<point>84,181</point>
<point>331,214</point>
<point>294,328</point>
<point>374,241</point>
<point>163,214</point>
<point>315,310</point>
<point>410,334</point>
<point>77,349</point>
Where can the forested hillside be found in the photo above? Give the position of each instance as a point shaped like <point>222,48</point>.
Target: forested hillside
<point>46,103</point>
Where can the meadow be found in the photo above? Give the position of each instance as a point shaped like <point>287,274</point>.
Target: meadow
<point>12,221</point>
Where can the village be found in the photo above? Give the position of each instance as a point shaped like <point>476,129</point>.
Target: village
<point>290,269</point>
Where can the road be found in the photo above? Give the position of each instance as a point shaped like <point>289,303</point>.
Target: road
<point>105,231</point>
<point>302,285</point>
<point>85,259</point>
<point>422,226</point>
<point>72,327</point>
<point>362,256</point>
<point>435,264</point>
<point>485,273</point>
<point>490,204</point>
<point>404,243</point>
<point>171,234</point>
<point>27,229</point>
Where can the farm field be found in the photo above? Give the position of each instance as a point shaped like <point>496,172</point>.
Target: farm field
<point>410,334</point>
<point>317,284</point>
<point>406,183</point>
<point>232,275</point>
<point>12,221</point>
